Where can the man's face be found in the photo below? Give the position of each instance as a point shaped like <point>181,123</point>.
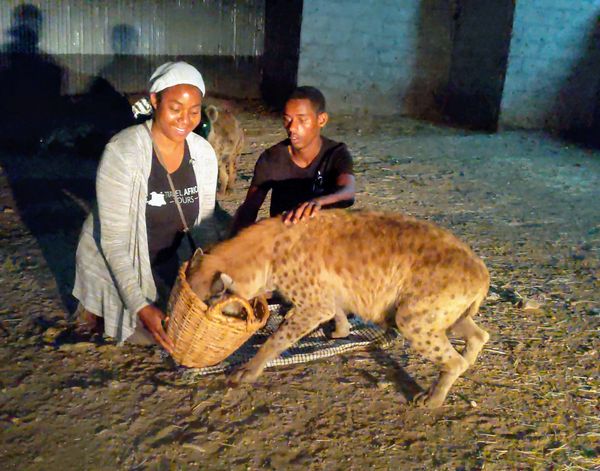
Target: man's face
<point>302,123</point>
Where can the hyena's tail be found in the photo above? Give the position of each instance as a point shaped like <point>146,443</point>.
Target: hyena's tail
<point>473,309</point>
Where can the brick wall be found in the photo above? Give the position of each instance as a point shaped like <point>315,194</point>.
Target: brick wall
<point>380,57</point>
<point>553,73</point>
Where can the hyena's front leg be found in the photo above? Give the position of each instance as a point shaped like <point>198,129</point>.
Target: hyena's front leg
<point>231,170</point>
<point>297,324</point>
<point>223,177</point>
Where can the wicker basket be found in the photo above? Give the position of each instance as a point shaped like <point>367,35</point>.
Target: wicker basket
<point>204,336</point>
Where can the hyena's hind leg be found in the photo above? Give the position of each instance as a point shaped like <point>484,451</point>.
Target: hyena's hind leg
<point>430,340</point>
<point>342,326</point>
<point>474,336</point>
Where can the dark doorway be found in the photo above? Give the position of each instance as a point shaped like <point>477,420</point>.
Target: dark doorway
<point>481,43</point>
<point>283,20</point>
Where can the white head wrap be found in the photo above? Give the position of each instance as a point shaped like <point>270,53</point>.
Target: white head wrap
<point>176,73</point>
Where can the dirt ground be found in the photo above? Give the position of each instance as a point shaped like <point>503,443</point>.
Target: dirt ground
<point>526,202</point>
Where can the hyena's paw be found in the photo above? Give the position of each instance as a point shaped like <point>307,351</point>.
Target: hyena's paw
<point>243,374</point>
<point>429,399</point>
<point>342,326</point>
<point>340,332</point>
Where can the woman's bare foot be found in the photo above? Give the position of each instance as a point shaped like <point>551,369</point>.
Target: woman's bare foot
<point>88,323</point>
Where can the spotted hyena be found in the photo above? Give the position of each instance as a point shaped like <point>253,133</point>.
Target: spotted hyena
<point>227,138</point>
<point>387,268</point>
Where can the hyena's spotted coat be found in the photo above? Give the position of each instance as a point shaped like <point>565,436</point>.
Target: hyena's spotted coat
<point>383,267</point>
<point>227,138</point>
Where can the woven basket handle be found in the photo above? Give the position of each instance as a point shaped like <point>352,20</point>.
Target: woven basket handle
<point>250,317</point>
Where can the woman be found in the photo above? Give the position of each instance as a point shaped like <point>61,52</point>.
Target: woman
<point>126,258</point>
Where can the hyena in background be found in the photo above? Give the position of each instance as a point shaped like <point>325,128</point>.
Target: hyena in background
<point>227,138</point>
<point>387,268</point>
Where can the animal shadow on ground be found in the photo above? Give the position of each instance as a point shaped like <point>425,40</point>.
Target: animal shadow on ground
<point>403,383</point>
<point>395,374</point>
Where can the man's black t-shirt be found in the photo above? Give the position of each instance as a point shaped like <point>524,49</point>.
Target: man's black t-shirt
<point>275,170</point>
<point>163,223</point>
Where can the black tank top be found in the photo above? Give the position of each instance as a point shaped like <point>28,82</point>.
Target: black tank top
<point>163,223</point>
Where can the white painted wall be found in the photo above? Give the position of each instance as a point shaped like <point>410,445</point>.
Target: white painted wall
<point>378,56</point>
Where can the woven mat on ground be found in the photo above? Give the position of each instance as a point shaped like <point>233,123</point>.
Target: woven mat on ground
<point>318,344</point>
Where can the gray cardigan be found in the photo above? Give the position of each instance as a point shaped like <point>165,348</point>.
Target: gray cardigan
<point>113,277</point>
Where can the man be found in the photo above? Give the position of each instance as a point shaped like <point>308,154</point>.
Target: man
<point>306,171</point>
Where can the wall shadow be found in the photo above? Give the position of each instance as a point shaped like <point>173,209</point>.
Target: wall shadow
<point>461,59</point>
<point>576,110</point>
<point>434,31</point>
<point>30,82</point>
<point>283,21</point>
<point>480,46</point>
<point>50,143</point>
<point>103,110</point>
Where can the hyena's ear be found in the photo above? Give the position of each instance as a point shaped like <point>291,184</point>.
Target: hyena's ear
<point>217,288</point>
<point>212,112</point>
<point>227,280</point>
<point>194,263</point>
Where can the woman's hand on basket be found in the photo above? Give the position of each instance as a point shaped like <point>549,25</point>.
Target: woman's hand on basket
<point>152,318</point>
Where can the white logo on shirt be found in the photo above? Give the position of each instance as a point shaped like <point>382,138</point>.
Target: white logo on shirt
<point>156,199</point>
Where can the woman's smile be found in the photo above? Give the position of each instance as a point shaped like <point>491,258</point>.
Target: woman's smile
<point>177,111</point>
